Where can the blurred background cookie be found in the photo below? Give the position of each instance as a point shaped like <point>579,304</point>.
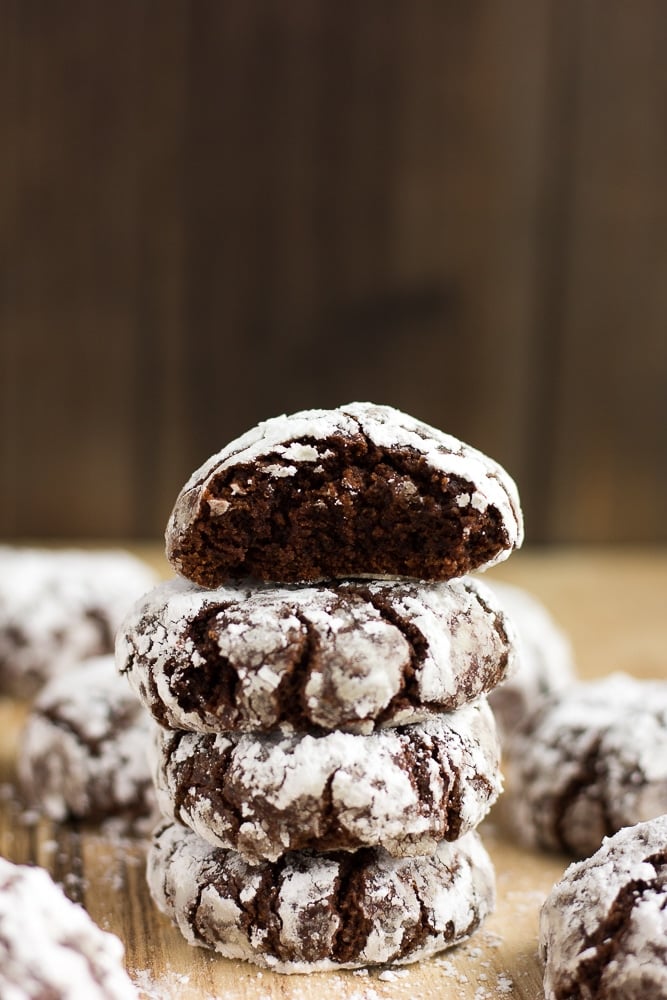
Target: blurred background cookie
<point>84,749</point>
<point>49,946</point>
<point>589,761</point>
<point>60,606</point>
<point>544,657</point>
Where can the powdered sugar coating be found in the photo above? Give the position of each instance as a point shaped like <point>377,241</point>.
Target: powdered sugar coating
<point>296,437</point>
<point>262,795</point>
<point>252,657</point>
<point>84,748</point>
<point>591,760</point>
<point>318,912</point>
<point>49,946</point>
<point>59,606</point>
<point>544,660</point>
<point>603,927</point>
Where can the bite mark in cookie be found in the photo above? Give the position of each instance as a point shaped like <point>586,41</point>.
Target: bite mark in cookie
<point>363,490</point>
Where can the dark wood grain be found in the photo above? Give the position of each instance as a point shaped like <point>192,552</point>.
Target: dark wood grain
<point>212,213</point>
<point>608,472</point>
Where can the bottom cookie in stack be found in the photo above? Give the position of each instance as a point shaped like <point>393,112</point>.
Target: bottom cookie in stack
<point>313,912</point>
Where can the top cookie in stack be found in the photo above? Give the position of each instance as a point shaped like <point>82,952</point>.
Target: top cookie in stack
<point>362,490</point>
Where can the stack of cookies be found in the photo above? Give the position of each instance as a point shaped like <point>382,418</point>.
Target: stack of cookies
<point>319,671</point>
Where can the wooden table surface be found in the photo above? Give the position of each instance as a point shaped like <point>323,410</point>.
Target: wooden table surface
<point>612,603</point>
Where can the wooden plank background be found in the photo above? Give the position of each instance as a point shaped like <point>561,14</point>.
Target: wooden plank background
<point>212,212</point>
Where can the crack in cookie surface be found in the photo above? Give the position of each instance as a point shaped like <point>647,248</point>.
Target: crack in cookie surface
<point>365,655</point>
<point>311,912</point>
<point>262,795</point>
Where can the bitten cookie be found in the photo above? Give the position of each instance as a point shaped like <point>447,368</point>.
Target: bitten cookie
<point>49,946</point>
<point>362,490</point>
<point>60,606</point>
<point>603,927</point>
<point>588,762</point>
<point>354,657</point>
<point>317,912</point>
<point>262,795</point>
<point>84,749</point>
<point>545,662</point>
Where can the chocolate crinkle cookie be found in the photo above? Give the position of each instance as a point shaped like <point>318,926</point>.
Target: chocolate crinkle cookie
<point>362,490</point>
<point>49,946</point>
<point>603,927</point>
<point>83,752</point>
<point>355,657</point>
<point>60,606</point>
<point>544,658</point>
<point>405,788</point>
<point>590,761</point>
<point>316,912</point>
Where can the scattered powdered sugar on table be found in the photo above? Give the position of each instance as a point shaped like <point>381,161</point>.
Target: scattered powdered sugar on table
<point>444,979</point>
<point>167,987</point>
<point>527,901</point>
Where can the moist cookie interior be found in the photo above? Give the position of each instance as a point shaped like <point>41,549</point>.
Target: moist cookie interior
<point>358,511</point>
